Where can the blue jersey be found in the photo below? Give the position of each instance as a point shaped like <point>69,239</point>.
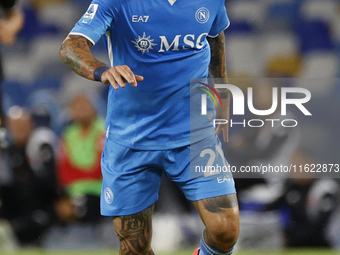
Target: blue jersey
<point>164,41</point>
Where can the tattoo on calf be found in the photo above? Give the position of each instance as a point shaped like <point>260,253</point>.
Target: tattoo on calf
<point>217,204</point>
<point>134,232</point>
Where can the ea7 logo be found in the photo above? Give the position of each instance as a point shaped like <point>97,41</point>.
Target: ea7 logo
<point>138,18</point>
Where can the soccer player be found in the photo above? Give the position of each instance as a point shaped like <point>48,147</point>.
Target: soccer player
<point>154,48</point>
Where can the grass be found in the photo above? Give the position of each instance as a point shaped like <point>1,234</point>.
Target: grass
<point>184,252</point>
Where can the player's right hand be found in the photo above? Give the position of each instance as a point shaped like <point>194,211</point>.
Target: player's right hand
<point>117,76</point>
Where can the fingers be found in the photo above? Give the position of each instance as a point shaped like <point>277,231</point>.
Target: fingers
<point>139,78</point>
<point>218,129</point>
<point>226,136</point>
<point>225,129</point>
<point>126,74</point>
<point>107,77</point>
<point>226,133</point>
<point>118,75</point>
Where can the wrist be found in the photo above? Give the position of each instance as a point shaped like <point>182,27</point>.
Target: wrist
<point>98,72</point>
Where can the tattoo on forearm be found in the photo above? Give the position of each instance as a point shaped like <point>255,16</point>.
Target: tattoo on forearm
<point>75,52</point>
<point>217,68</point>
<point>134,232</point>
<point>217,204</point>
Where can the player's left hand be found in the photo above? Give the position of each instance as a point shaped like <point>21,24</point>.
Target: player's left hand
<point>117,76</point>
<point>223,112</point>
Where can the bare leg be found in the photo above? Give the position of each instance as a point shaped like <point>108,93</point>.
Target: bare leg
<point>220,215</point>
<point>134,232</point>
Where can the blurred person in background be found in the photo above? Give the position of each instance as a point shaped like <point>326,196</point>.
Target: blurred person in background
<point>79,158</point>
<point>30,198</point>
<point>11,22</point>
<point>309,202</point>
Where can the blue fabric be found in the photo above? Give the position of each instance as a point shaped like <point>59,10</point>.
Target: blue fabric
<point>314,35</point>
<point>131,178</point>
<point>146,36</point>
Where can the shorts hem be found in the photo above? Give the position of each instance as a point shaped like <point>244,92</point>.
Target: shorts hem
<point>129,210</point>
<point>212,194</point>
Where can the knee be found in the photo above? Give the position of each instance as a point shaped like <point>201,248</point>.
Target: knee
<point>224,230</point>
<point>225,235</point>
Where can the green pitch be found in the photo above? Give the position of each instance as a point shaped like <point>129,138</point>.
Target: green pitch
<point>184,252</point>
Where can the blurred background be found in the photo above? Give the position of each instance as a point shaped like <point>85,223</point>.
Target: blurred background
<point>50,174</point>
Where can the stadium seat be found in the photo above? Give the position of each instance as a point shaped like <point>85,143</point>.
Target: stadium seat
<point>249,11</point>
<point>335,25</point>
<point>276,44</point>
<point>16,93</point>
<point>283,12</point>
<point>283,66</point>
<point>314,35</point>
<point>241,55</point>
<point>62,14</point>
<point>320,65</point>
<point>81,4</point>
<point>45,51</point>
<point>45,82</point>
<point>19,71</point>
<point>323,68</point>
<point>7,102</point>
<point>325,10</point>
<point>240,27</point>
<point>33,27</point>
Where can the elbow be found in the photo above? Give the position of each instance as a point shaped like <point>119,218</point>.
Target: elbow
<point>62,52</point>
<point>64,49</point>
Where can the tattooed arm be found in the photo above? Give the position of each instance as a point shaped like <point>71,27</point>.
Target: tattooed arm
<point>217,68</point>
<point>218,72</point>
<point>75,52</point>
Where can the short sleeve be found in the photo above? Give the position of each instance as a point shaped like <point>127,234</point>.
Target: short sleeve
<point>221,21</point>
<point>97,19</point>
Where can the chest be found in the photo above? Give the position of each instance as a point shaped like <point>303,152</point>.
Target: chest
<point>163,26</point>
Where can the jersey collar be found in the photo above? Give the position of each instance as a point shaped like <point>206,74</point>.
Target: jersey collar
<point>171,2</point>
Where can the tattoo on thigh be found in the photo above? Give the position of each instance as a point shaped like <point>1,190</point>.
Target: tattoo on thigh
<point>134,232</point>
<point>217,204</point>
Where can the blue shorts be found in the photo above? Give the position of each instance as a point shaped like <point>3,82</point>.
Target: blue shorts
<point>131,178</point>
